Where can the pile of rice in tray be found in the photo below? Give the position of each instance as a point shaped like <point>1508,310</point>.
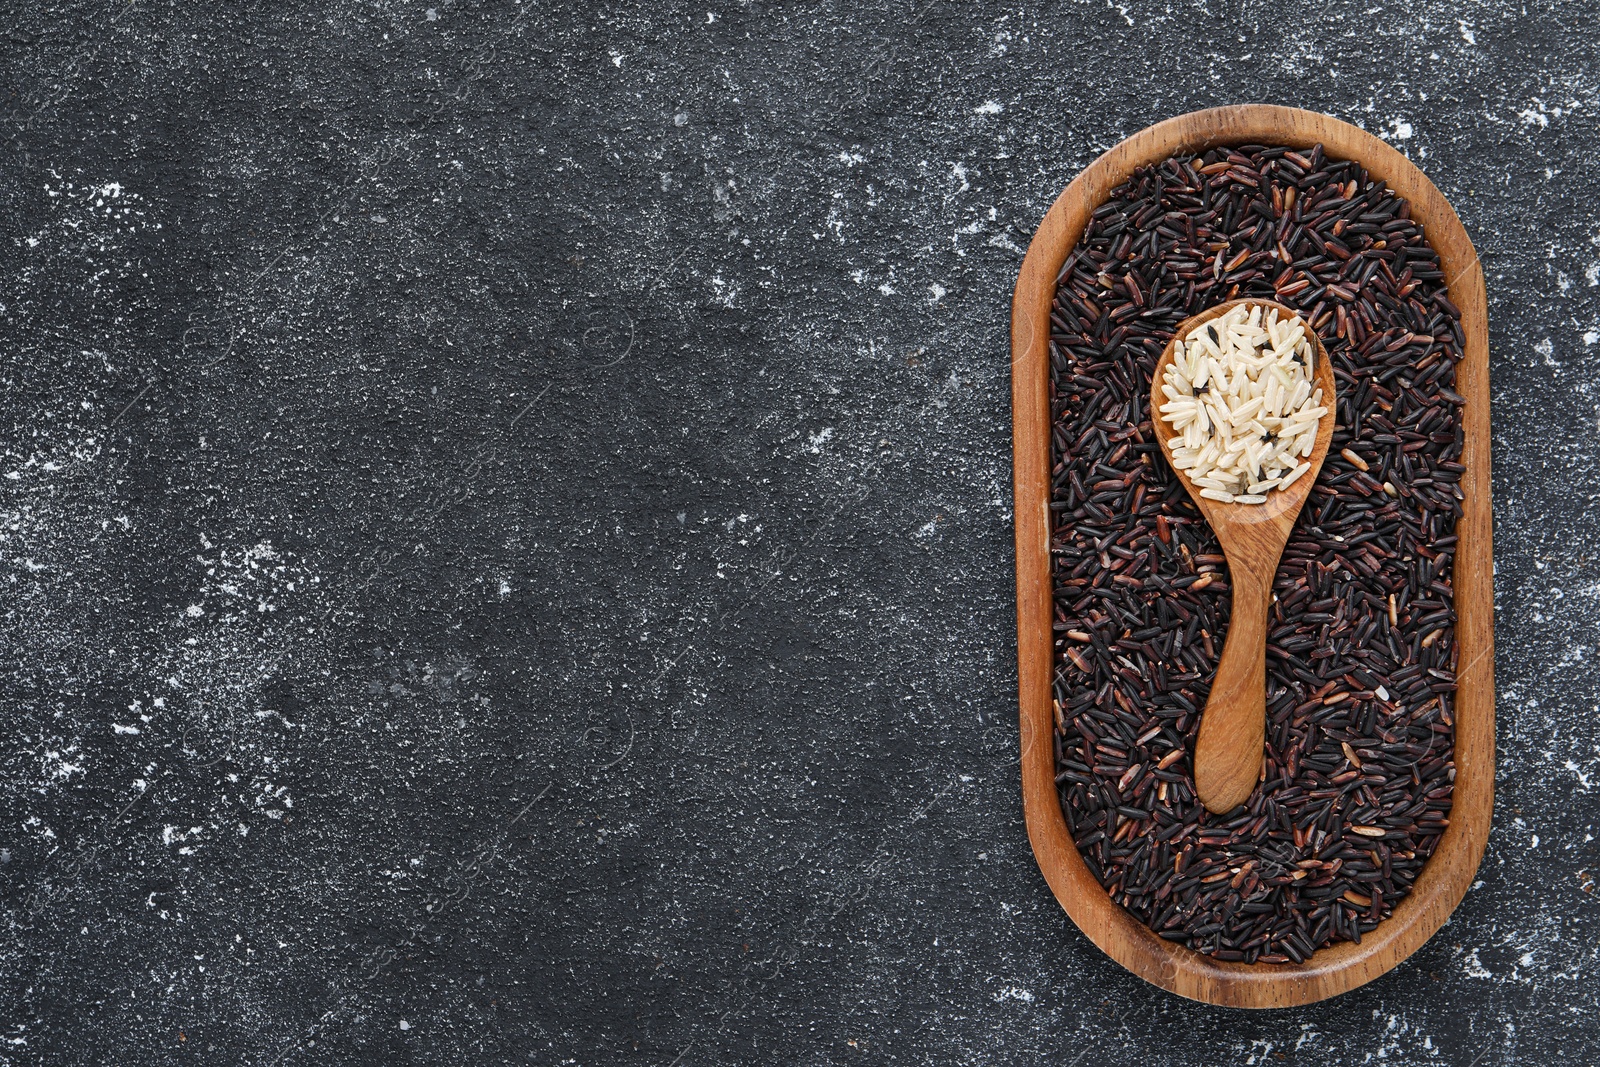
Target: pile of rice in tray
<point>1361,656</point>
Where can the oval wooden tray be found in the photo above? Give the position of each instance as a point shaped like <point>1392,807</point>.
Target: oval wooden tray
<point>1449,872</point>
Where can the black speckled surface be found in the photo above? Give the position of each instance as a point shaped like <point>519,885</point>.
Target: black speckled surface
<point>505,528</point>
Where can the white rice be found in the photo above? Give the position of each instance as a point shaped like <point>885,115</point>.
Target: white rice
<point>1243,399</point>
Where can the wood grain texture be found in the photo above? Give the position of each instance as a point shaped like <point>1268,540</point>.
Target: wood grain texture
<point>1447,875</point>
<point>1233,727</point>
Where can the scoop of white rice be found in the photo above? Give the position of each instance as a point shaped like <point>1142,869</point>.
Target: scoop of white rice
<point>1243,400</point>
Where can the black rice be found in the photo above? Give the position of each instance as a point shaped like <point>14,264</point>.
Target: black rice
<point>1359,766</point>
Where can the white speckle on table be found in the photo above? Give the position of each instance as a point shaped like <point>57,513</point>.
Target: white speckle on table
<point>1579,773</point>
<point>1530,117</point>
<point>959,171</point>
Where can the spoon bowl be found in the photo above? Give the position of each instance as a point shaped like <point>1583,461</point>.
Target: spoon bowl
<point>1228,751</point>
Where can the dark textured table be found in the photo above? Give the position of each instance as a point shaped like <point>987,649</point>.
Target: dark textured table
<point>505,527</point>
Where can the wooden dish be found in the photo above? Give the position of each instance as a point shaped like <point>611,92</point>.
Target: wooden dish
<point>1445,878</point>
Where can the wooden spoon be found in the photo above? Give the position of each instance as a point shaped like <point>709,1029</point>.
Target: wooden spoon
<point>1228,753</point>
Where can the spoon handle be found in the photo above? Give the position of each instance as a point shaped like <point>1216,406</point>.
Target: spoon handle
<point>1227,754</point>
